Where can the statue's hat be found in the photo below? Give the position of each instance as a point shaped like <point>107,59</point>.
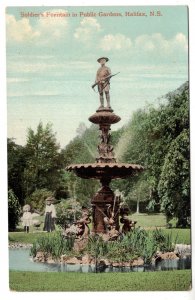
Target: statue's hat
<point>106,58</point>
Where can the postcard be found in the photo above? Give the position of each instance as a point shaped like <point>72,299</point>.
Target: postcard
<point>98,147</point>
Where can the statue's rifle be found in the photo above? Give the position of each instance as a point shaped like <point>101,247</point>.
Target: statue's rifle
<point>106,79</point>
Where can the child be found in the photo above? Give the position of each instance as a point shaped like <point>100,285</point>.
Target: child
<point>26,218</point>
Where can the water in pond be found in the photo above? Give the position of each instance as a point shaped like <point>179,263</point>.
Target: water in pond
<point>20,260</point>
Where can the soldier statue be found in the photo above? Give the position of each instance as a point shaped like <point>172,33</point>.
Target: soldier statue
<point>103,82</point>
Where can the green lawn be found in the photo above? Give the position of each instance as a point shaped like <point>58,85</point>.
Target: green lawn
<point>152,220</point>
<point>136,281</point>
<point>22,237</point>
<point>148,222</point>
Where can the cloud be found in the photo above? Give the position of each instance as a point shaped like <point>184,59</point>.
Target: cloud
<point>47,28</point>
<point>180,40</point>
<point>150,43</point>
<point>157,43</point>
<point>52,28</point>
<point>85,32</point>
<point>115,42</point>
<point>20,31</point>
<point>146,46</point>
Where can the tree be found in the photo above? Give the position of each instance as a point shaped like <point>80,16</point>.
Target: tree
<point>143,144</point>
<point>150,133</point>
<point>139,193</point>
<point>37,199</point>
<point>82,149</point>
<point>13,211</point>
<point>174,184</point>
<point>85,190</point>
<point>81,129</point>
<point>44,161</point>
<point>16,165</point>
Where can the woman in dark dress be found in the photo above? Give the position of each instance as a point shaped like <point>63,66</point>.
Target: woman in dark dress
<point>50,215</point>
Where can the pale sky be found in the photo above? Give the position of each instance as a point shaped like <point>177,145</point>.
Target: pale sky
<point>52,62</point>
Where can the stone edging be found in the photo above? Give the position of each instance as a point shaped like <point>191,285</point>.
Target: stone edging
<point>181,250</point>
<point>19,246</point>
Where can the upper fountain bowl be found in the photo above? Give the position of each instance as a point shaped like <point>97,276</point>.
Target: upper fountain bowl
<point>104,116</point>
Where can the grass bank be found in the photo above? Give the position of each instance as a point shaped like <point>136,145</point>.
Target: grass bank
<point>42,281</point>
<point>26,238</point>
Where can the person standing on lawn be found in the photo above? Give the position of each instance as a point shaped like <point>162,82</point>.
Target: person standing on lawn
<point>26,218</point>
<point>50,215</point>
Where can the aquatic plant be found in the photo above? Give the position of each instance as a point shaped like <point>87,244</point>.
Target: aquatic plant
<point>135,244</point>
<point>164,242</point>
<point>52,243</point>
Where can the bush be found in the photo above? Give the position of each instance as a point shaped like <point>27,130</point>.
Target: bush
<point>13,211</point>
<point>67,212</point>
<point>37,199</point>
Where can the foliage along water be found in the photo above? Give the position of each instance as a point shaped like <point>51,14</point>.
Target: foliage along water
<point>20,260</point>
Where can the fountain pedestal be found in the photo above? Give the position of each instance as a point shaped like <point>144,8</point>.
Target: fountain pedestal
<point>105,203</point>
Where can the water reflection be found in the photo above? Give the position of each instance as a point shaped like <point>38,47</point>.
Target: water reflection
<point>20,260</point>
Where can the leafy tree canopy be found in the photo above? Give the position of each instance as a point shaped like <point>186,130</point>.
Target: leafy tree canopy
<point>44,160</point>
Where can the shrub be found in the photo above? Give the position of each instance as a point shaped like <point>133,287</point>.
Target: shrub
<point>13,211</point>
<point>67,212</point>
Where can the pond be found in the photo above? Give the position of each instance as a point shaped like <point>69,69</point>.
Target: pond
<point>20,260</point>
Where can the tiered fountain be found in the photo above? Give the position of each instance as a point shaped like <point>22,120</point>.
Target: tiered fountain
<point>105,168</point>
